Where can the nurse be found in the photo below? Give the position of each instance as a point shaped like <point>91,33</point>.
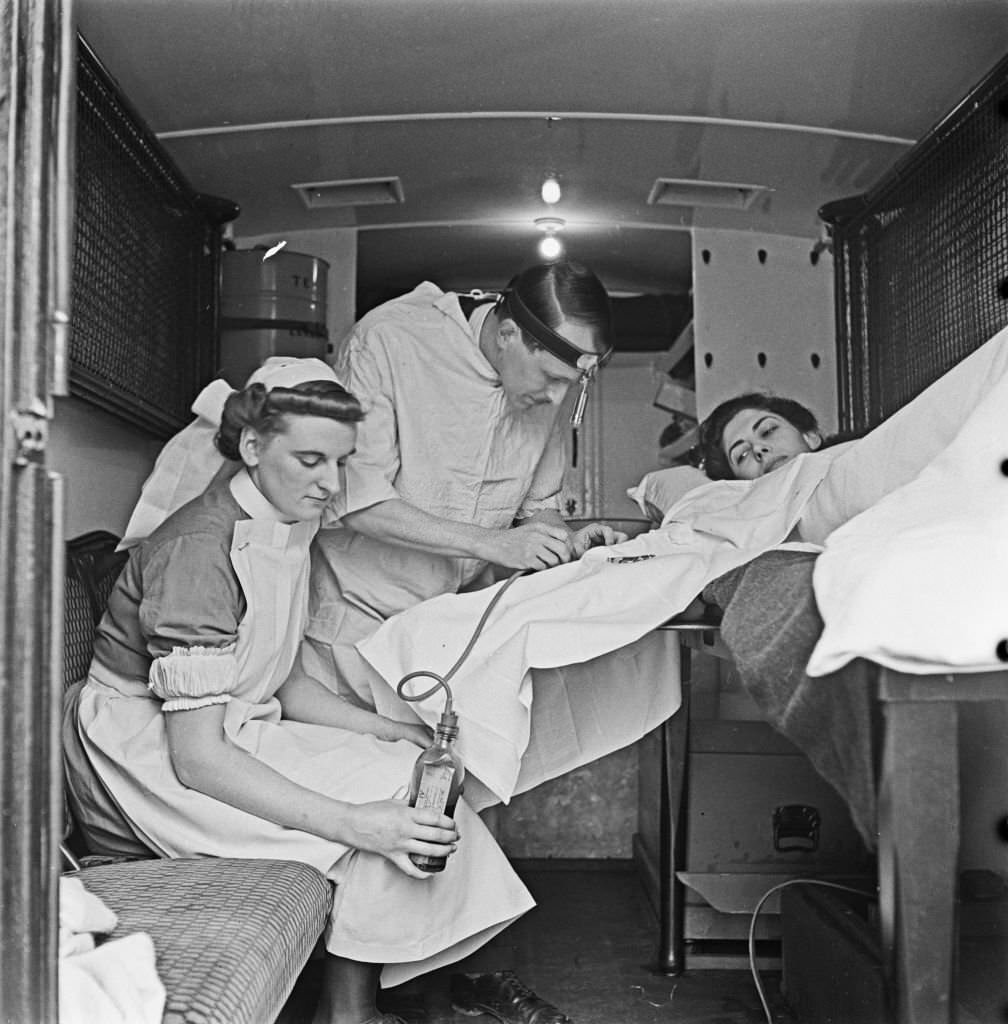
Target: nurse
<point>209,745</point>
<point>459,463</point>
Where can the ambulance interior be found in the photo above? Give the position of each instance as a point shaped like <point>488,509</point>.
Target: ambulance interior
<point>344,151</point>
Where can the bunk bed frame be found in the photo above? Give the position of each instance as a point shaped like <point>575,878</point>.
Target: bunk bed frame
<point>921,267</point>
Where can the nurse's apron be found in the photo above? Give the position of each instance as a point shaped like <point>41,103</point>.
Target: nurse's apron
<point>380,915</point>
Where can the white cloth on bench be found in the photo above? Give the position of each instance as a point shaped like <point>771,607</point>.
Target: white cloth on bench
<point>114,983</point>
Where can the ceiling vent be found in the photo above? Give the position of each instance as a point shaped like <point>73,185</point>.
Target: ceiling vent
<point>317,195</point>
<point>686,192</point>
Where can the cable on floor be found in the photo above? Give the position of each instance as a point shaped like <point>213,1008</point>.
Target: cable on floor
<point>755,914</point>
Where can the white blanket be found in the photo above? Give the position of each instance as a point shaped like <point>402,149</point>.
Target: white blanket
<point>579,611</point>
<point>919,580</point>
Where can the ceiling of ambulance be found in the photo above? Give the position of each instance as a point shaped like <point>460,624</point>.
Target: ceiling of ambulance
<point>471,104</point>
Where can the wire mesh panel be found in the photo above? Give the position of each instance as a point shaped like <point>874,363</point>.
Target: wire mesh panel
<point>92,567</point>
<point>922,259</point>
<point>142,340</point>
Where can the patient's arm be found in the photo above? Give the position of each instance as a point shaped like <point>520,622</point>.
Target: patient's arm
<point>595,535</point>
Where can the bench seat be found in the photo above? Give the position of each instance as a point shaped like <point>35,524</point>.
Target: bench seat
<point>230,936</point>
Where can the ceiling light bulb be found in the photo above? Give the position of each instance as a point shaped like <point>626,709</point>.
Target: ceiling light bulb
<point>550,247</point>
<point>551,190</point>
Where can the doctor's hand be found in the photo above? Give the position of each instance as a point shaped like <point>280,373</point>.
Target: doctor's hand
<point>395,830</point>
<point>595,535</point>
<point>534,544</point>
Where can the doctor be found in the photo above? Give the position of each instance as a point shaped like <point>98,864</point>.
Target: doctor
<point>459,462</point>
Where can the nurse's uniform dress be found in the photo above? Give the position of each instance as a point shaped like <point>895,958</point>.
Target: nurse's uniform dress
<point>210,609</point>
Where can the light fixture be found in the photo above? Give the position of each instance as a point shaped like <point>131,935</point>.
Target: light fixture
<point>550,191</point>
<point>550,247</point>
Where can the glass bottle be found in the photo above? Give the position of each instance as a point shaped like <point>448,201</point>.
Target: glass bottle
<point>437,781</point>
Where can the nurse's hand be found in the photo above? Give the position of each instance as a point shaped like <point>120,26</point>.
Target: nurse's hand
<point>595,535</point>
<point>535,544</point>
<point>421,735</point>
<point>395,830</point>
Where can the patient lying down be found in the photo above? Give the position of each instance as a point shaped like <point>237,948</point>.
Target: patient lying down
<point>747,437</point>
<point>856,506</point>
<point>753,434</point>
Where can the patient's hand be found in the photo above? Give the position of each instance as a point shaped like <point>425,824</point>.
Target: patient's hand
<point>595,535</point>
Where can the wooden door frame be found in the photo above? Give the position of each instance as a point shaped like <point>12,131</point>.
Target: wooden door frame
<point>36,196</point>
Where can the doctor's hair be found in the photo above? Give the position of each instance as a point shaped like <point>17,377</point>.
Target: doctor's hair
<point>564,290</point>
<point>710,453</point>
<point>266,411</point>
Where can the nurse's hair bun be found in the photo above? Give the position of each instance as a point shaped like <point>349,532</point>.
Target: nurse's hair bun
<point>265,411</point>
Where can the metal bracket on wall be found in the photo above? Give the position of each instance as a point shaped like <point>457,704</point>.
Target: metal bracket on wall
<point>31,432</point>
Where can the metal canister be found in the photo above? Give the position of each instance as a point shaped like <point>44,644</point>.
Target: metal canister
<point>270,307</point>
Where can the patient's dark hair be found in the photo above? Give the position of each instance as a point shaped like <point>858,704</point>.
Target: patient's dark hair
<point>709,452</point>
<point>266,411</point>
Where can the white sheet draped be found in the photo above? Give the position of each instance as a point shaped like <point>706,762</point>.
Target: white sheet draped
<point>580,611</point>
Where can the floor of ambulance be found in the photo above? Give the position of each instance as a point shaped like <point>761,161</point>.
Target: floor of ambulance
<point>590,944</point>
<point>589,947</point>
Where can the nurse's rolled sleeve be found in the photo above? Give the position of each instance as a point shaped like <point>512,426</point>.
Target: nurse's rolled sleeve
<point>374,465</point>
<point>194,677</point>
<point>191,628</point>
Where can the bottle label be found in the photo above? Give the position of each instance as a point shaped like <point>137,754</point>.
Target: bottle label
<point>435,785</point>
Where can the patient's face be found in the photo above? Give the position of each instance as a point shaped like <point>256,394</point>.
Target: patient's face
<point>757,442</point>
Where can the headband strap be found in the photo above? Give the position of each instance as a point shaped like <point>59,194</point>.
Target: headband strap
<point>555,344</point>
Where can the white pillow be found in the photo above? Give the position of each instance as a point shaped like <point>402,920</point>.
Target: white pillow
<point>660,489</point>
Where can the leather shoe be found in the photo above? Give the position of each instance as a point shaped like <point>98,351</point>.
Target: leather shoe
<point>503,996</point>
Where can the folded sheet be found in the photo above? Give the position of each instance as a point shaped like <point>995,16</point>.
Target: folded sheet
<point>919,581</point>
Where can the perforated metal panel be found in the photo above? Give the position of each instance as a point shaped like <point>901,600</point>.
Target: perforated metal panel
<point>922,259</point>
<point>142,341</point>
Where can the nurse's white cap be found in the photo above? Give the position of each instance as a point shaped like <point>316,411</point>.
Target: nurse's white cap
<point>288,372</point>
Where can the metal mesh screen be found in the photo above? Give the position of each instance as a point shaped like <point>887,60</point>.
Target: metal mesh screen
<point>92,567</point>
<point>142,340</point>
<point>921,260</point>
